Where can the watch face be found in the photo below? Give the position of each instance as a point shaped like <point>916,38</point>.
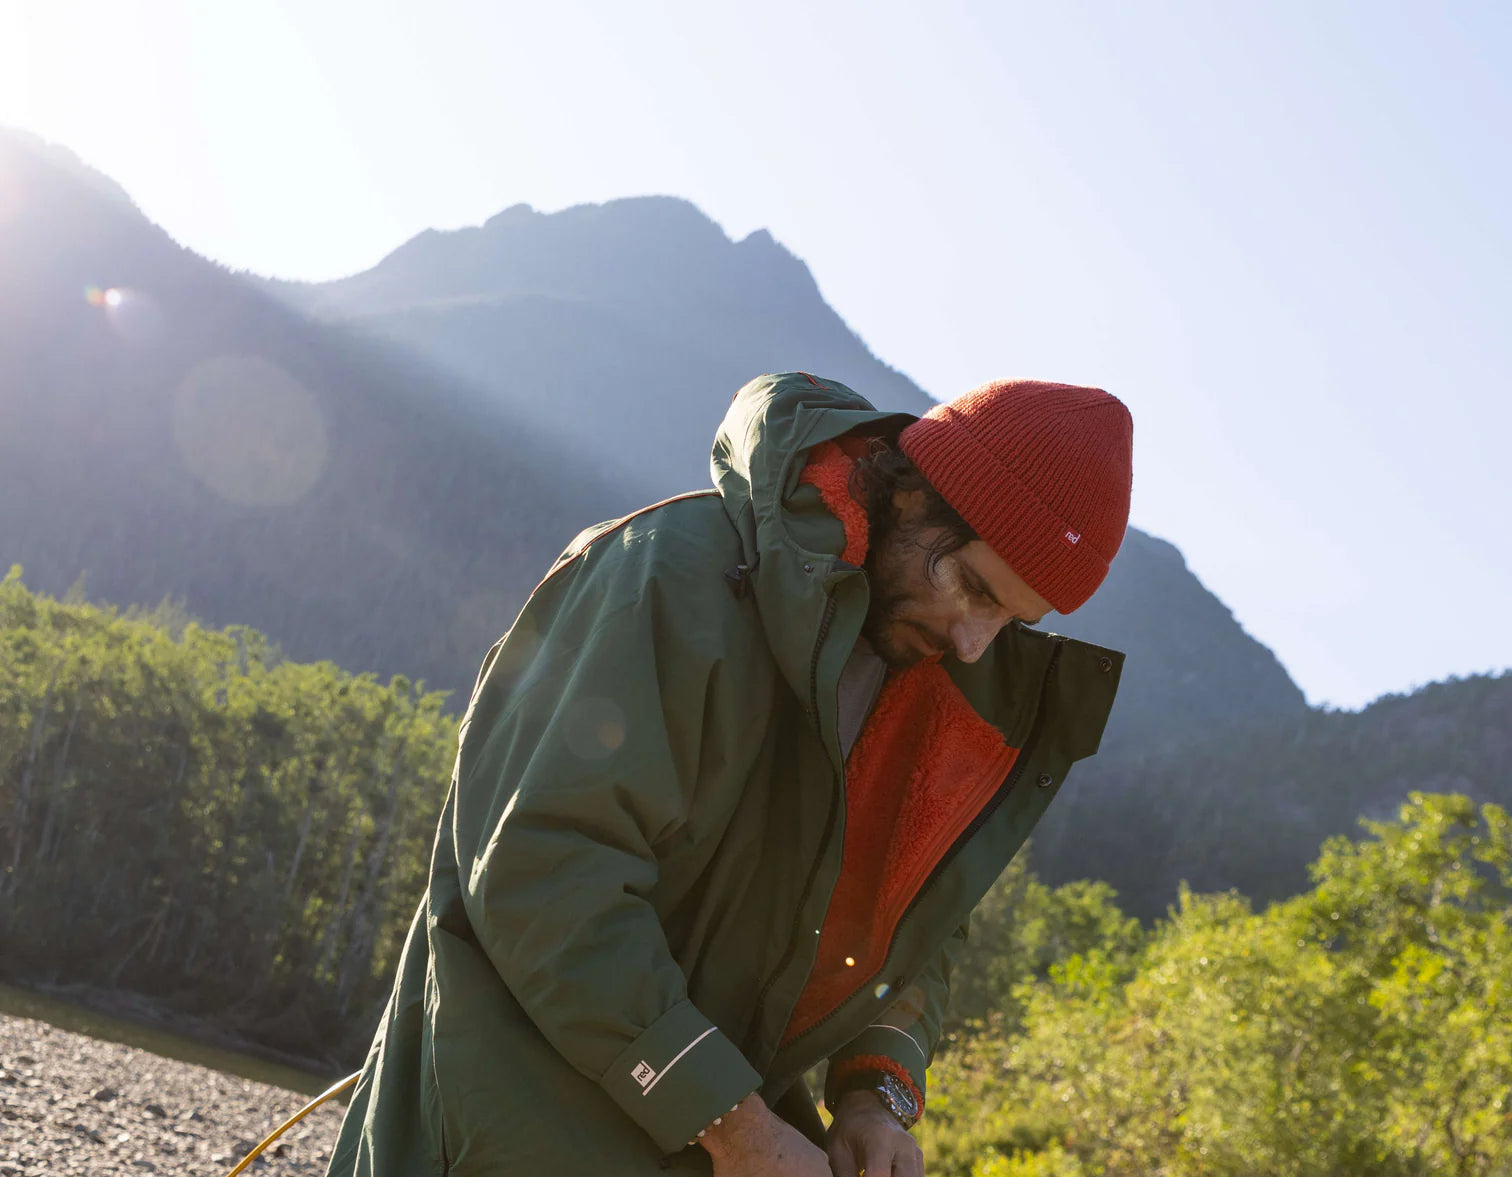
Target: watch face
<point>901,1097</point>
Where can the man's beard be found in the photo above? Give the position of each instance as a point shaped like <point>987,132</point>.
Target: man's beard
<point>887,568</point>
<point>877,630</point>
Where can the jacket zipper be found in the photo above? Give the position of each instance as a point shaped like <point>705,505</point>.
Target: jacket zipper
<point>983,816</point>
<point>824,624</point>
<point>824,840</point>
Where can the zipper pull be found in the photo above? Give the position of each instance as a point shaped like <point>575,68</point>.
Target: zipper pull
<point>739,580</point>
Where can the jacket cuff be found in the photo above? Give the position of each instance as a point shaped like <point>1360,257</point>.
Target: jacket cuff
<point>878,1048</point>
<point>678,1076</point>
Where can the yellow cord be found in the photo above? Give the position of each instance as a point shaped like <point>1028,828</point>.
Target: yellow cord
<point>329,1093</point>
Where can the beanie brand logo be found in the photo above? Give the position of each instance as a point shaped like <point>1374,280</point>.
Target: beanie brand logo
<point>1073,538</point>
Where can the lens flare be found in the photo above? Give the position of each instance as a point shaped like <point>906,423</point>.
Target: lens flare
<point>249,431</point>
<point>134,315</point>
<point>107,299</point>
<point>517,657</point>
<point>594,727</point>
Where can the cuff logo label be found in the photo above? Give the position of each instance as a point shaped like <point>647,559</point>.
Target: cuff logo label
<point>643,1074</point>
<point>1072,537</point>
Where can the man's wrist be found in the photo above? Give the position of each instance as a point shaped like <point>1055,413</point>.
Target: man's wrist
<point>715,1123</point>
<point>861,1101</point>
<point>722,1137</point>
<point>896,1099</point>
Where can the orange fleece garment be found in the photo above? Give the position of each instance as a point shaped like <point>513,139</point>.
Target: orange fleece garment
<point>922,769</point>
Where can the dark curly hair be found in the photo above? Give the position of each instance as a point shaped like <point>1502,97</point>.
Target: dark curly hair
<point>886,470</point>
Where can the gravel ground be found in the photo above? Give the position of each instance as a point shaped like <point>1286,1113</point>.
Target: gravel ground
<point>73,1104</point>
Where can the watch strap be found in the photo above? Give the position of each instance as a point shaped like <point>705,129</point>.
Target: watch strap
<point>895,1092</point>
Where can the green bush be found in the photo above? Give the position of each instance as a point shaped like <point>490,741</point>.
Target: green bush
<point>1363,1028</point>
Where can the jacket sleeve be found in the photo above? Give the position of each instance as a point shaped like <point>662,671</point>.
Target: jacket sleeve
<point>579,757</point>
<point>902,1040</point>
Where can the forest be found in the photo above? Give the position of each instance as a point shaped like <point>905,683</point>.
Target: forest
<point>188,815</point>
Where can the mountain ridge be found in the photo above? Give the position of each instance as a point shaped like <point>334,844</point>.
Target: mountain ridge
<point>466,441</point>
<point>382,488</point>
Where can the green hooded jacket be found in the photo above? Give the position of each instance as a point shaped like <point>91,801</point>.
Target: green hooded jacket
<point>645,826</point>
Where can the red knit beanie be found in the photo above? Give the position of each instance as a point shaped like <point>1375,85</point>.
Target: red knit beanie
<point>1040,471</point>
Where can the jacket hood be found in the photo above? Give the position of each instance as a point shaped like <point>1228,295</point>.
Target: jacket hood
<point>793,544</point>
<point>771,424</point>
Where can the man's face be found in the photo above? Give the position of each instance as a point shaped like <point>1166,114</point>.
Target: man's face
<point>957,607</point>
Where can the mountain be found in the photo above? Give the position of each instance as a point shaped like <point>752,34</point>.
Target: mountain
<point>620,329</point>
<point>377,470</point>
<point>169,429</point>
<point>1191,667</point>
<point>625,315</point>
<point>1247,805</point>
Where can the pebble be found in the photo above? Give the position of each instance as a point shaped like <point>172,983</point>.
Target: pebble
<point>74,1104</point>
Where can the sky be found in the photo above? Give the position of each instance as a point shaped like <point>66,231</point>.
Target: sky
<point>1279,231</point>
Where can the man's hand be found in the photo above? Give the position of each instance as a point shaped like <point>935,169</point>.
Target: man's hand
<point>752,1141</point>
<point>865,1138</point>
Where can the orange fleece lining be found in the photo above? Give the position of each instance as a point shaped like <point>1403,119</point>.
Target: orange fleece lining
<point>829,468</point>
<point>924,766</point>
<point>875,1062</point>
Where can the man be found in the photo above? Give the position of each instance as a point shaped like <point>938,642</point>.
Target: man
<point>728,790</point>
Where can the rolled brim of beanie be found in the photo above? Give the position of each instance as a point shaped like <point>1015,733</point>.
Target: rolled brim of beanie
<point>1051,555</point>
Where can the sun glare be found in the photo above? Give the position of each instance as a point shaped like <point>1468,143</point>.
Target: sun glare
<point>110,298</point>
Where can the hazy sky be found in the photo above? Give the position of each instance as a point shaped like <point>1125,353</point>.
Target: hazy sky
<point>1278,230</point>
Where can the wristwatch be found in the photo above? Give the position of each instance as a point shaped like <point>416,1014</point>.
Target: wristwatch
<point>896,1096</point>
